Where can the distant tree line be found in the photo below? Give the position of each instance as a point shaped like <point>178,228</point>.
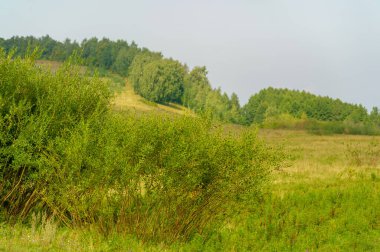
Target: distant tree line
<point>284,108</point>
<point>105,54</point>
<point>272,102</point>
<point>164,80</point>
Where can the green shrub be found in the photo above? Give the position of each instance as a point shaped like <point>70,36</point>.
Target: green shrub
<point>158,177</point>
<point>37,108</point>
<point>287,121</point>
<point>346,127</point>
<point>284,121</point>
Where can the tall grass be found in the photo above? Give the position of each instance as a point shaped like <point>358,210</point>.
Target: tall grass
<point>333,215</point>
<point>63,152</point>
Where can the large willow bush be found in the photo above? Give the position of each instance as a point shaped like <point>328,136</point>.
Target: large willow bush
<point>161,178</point>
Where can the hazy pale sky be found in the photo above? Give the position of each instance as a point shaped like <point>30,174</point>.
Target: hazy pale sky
<point>327,47</point>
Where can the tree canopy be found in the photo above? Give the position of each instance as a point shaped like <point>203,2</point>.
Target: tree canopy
<point>162,81</point>
<point>271,102</point>
<point>104,54</point>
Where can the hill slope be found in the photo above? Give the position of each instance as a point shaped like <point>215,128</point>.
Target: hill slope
<point>127,99</point>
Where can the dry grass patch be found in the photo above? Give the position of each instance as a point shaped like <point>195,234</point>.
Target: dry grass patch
<point>127,99</point>
<point>318,158</point>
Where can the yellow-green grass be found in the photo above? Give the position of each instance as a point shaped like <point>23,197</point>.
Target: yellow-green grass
<point>55,65</point>
<point>49,64</point>
<point>49,237</point>
<point>315,157</point>
<point>127,99</point>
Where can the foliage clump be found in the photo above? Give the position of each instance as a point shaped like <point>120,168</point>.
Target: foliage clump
<point>156,79</point>
<point>291,109</point>
<point>63,152</point>
<point>272,102</point>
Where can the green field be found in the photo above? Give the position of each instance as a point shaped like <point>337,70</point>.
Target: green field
<point>325,195</point>
<point>326,199</point>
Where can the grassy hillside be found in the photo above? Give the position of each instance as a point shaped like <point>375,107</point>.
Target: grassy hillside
<point>126,99</point>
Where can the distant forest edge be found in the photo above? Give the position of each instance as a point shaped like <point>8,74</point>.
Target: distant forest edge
<point>164,80</point>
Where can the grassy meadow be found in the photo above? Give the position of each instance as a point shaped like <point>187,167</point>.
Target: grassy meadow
<point>326,198</point>
<point>116,180</point>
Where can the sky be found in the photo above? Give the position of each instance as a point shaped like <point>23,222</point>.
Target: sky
<point>327,47</point>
